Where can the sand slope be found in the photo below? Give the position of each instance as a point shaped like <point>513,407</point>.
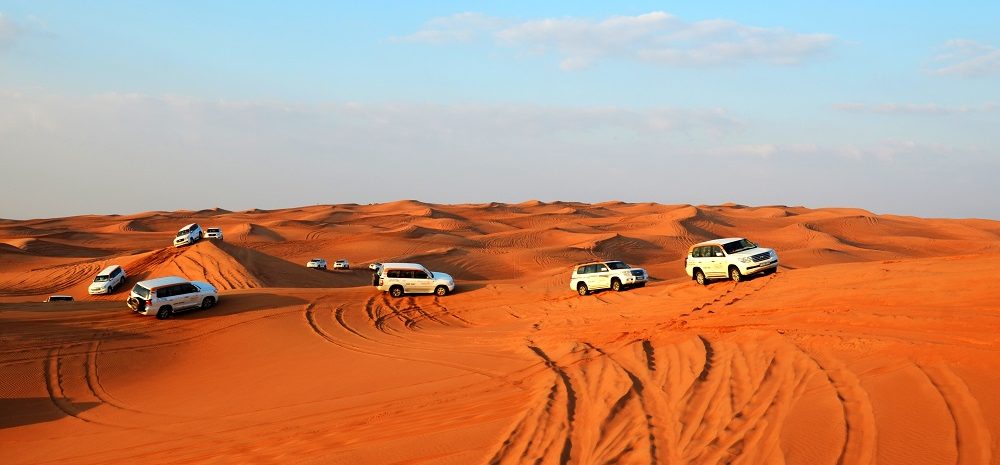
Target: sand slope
<point>876,343</point>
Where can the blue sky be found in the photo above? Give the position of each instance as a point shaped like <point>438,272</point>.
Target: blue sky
<point>891,107</point>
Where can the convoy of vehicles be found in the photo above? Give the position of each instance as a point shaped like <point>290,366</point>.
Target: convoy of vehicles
<point>733,258</point>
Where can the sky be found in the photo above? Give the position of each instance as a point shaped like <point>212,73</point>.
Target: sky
<point>123,107</point>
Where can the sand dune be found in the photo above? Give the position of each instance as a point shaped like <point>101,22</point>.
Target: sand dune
<point>874,343</point>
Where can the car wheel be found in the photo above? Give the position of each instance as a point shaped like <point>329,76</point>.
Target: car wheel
<point>164,312</point>
<point>207,302</point>
<point>616,285</point>
<point>441,291</point>
<point>581,289</point>
<point>396,291</point>
<point>735,275</point>
<point>700,277</point>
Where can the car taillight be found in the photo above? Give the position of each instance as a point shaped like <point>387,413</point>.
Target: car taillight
<point>149,303</point>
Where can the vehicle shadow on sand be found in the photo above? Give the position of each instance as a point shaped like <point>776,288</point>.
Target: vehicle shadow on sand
<point>231,304</point>
<point>23,411</point>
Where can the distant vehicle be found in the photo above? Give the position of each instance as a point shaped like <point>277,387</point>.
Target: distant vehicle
<point>412,278</point>
<point>59,298</point>
<point>318,263</point>
<point>341,264</point>
<point>188,235</point>
<point>733,257</point>
<point>166,296</point>
<point>107,280</point>
<point>213,233</point>
<point>612,274</point>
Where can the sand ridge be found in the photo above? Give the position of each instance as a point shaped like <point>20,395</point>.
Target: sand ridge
<point>874,343</point>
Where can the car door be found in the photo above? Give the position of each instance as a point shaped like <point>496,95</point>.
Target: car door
<point>715,262</point>
<point>600,277</point>
<point>169,295</point>
<point>422,281</point>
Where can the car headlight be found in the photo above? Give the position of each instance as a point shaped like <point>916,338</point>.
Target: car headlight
<point>746,260</point>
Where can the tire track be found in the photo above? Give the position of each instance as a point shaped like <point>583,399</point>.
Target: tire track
<point>972,433</point>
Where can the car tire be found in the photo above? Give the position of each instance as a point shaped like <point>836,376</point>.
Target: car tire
<point>441,291</point>
<point>616,285</point>
<point>207,302</point>
<point>699,276</point>
<point>735,275</point>
<point>396,291</point>
<point>164,312</point>
<point>582,289</point>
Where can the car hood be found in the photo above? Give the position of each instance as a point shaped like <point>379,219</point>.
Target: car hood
<point>752,252</point>
<point>442,276</point>
<point>203,286</point>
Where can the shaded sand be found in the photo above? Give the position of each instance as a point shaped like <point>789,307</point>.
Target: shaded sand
<point>876,342</point>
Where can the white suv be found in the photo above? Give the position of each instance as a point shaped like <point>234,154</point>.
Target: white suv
<point>342,264</point>
<point>213,233</point>
<point>733,257</point>
<point>107,280</point>
<point>412,278</point>
<point>164,297</point>
<point>317,263</point>
<point>614,274</point>
<point>188,235</point>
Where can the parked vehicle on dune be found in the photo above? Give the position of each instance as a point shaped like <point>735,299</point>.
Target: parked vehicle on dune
<point>612,274</point>
<point>107,280</point>
<point>733,258</point>
<point>317,263</point>
<point>59,298</point>
<point>166,296</point>
<point>213,233</point>
<point>188,235</point>
<point>412,278</point>
<point>341,264</point>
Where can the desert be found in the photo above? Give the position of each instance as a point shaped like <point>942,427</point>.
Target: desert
<point>875,342</point>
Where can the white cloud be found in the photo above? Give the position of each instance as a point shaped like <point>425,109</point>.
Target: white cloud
<point>968,58</point>
<point>885,150</point>
<point>655,37</point>
<point>915,108</point>
<point>9,32</point>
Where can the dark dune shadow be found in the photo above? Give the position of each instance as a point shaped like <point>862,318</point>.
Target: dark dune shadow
<point>22,411</point>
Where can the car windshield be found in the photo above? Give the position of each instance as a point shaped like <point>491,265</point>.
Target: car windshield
<point>738,246</point>
<point>182,232</point>
<point>140,291</point>
<point>100,279</point>
<point>317,259</point>
<point>618,266</point>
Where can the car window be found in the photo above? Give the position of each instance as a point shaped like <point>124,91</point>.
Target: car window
<point>717,251</point>
<point>418,274</point>
<point>141,291</point>
<point>618,265</point>
<point>696,252</point>
<point>188,288</point>
<point>116,272</point>
<point>581,270</point>
<point>601,268</point>
<point>392,273</point>
<point>165,292</point>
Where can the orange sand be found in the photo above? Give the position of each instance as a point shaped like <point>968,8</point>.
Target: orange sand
<point>876,342</point>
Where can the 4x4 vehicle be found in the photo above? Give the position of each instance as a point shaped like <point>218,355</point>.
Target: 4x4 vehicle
<point>412,278</point>
<point>188,235</point>
<point>166,296</point>
<point>107,280</point>
<point>612,274</point>
<point>342,264</point>
<point>213,233</point>
<point>317,263</point>
<point>733,257</point>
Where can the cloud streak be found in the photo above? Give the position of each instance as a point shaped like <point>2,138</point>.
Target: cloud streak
<point>656,38</point>
<point>9,32</point>
<point>914,108</point>
<point>968,58</point>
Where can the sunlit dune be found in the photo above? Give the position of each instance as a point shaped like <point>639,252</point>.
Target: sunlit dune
<point>875,342</point>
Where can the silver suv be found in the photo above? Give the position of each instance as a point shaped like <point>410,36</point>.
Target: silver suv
<point>733,258</point>
<point>412,278</point>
